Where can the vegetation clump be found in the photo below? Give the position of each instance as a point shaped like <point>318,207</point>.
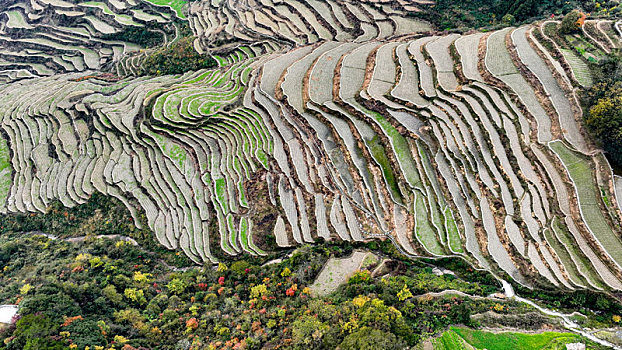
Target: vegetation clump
<point>604,119</point>
<point>603,116</point>
<point>144,36</point>
<point>176,58</point>
<point>572,22</point>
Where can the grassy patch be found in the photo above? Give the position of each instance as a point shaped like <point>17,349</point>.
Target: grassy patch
<point>455,241</point>
<point>565,238</point>
<point>424,230</point>
<point>449,340</point>
<point>378,153</point>
<point>515,341</point>
<point>175,5</point>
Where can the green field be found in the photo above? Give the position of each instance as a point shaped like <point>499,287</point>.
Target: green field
<point>466,338</point>
<point>176,5</point>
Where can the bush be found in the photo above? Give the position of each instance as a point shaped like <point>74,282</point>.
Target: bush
<point>34,332</point>
<point>176,286</point>
<point>604,120</point>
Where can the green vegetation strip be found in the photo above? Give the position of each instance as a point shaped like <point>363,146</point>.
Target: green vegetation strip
<point>512,341</point>
<point>176,5</point>
<point>5,171</point>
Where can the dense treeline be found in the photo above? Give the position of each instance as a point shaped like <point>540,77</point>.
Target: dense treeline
<point>143,36</point>
<point>100,215</point>
<point>176,58</point>
<point>464,15</point>
<point>603,115</point>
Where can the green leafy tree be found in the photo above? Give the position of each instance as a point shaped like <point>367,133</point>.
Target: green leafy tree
<point>176,286</point>
<point>571,22</point>
<point>605,121</point>
<point>371,339</point>
<point>87,333</point>
<point>135,295</point>
<point>34,332</point>
<point>308,331</point>
<point>111,293</point>
<point>508,20</point>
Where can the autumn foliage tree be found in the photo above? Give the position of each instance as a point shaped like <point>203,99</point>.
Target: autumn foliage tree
<point>605,121</point>
<point>572,22</point>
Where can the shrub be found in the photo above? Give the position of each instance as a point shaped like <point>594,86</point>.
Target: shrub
<point>135,295</point>
<point>360,277</point>
<point>308,331</point>
<point>239,267</point>
<point>404,293</point>
<point>176,286</point>
<point>26,288</point>
<point>259,291</point>
<point>286,272</point>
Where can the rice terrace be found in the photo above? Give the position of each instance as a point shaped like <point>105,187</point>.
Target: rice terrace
<point>252,160</point>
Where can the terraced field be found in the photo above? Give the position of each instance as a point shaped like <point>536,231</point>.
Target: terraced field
<point>41,38</point>
<point>301,22</point>
<point>342,127</point>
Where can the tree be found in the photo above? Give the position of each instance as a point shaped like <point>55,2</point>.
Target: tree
<point>135,295</point>
<point>86,333</point>
<point>370,339</point>
<point>176,286</point>
<point>308,331</point>
<point>508,20</point>
<point>572,22</point>
<point>55,306</point>
<point>33,332</point>
<point>605,121</point>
